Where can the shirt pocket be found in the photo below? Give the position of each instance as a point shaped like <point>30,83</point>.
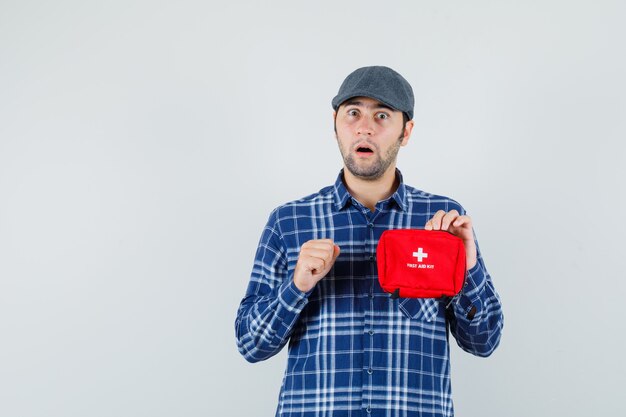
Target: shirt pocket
<point>419,308</point>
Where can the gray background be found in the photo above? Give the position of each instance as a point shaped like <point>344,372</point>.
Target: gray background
<point>143,145</point>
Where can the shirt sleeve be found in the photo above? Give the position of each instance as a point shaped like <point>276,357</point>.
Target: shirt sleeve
<point>270,309</point>
<point>476,318</point>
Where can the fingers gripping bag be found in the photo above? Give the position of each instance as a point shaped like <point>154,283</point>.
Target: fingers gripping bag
<point>417,263</point>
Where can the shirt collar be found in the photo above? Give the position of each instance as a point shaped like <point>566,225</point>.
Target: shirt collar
<point>343,197</point>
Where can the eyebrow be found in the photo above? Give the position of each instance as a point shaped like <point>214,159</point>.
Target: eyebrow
<point>378,105</point>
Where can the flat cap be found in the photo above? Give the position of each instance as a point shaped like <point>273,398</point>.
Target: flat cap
<point>380,83</point>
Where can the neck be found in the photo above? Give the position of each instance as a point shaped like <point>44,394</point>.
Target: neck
<point>369,192</point>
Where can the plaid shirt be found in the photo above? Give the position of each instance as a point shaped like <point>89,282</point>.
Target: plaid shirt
<point>353,350</point>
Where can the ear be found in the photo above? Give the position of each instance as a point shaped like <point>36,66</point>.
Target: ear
<point>407,132</point>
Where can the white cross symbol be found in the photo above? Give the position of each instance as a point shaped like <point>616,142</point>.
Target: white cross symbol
<point>419,254</point>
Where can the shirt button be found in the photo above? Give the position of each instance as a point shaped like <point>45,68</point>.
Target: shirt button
<point>369,410</point>
<point>371,332</point>
<point>471,313</point>
<point>372,257</point>
<point>370,225</point>
<point>369,371</point>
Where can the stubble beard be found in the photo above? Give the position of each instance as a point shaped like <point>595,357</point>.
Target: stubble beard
<point>374,169</point>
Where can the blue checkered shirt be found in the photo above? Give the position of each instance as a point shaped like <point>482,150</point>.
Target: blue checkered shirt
<point>354,350</point>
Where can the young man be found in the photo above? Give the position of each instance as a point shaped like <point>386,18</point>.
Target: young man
<point>353,349</point>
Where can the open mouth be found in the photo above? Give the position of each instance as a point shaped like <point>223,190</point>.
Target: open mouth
<point>364,149</point>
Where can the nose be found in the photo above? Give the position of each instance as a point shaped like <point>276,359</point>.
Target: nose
<point>365,127</point>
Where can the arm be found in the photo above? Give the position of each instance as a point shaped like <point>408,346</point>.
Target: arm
<point>272,304</point>
<point>276,296</point>
<point>475,318</point>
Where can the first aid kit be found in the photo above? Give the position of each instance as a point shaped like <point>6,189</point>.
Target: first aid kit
<point>418,263</point>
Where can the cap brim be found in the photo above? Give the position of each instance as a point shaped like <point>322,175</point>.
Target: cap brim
<point>339,100</point>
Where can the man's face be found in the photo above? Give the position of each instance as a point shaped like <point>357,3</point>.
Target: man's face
<point>369,135</point>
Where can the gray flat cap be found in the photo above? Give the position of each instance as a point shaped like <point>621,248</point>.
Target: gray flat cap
<point>380,83</point>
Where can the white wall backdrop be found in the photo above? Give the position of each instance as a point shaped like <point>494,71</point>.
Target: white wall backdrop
<point>144,143</point>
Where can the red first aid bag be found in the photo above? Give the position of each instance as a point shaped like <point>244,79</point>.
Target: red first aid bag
<point>416,263</point>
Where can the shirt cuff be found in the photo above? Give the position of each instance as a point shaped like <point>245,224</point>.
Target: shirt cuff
<point>292,299</point>
<point>470,302</point>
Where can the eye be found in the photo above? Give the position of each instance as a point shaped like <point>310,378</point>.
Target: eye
<point>353,112</point>
<point>382,116</point>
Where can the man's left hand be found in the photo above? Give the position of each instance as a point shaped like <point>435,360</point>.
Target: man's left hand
<point>460,226</point>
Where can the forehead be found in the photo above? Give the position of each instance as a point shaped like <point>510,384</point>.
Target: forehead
<point>366,102</point>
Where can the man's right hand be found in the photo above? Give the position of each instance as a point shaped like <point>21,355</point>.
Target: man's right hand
<point>316,258</point>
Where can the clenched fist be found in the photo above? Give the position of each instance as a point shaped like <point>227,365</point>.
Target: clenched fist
<point>316,258</point>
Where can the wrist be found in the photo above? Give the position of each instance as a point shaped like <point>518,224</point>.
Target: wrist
<point>302,286</point>
<point>471,263</point>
